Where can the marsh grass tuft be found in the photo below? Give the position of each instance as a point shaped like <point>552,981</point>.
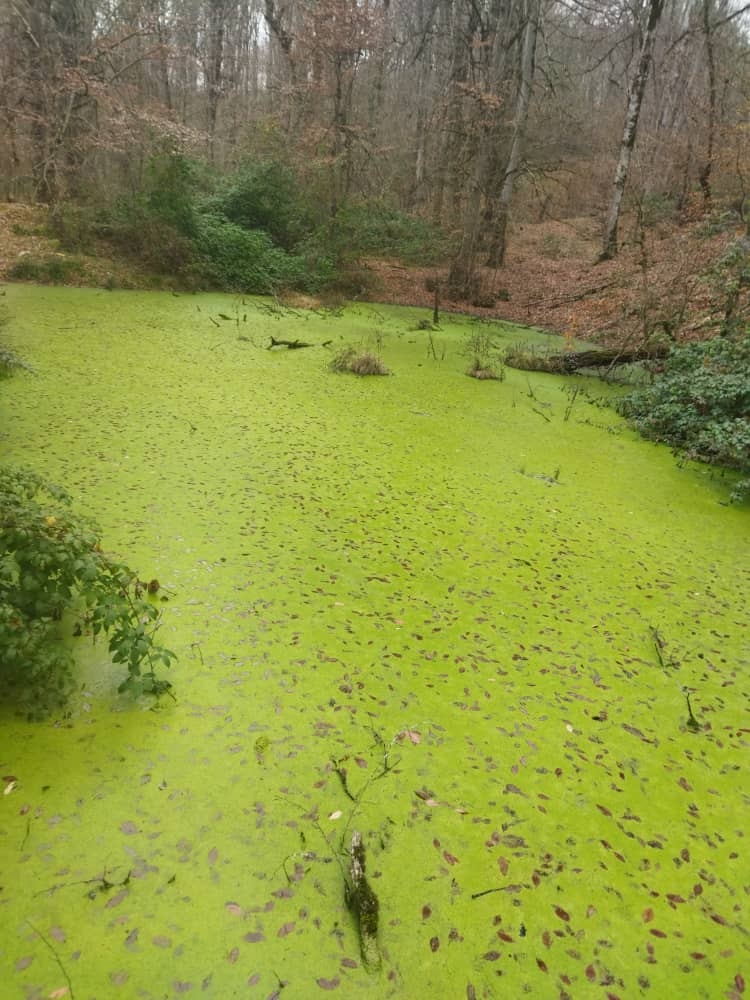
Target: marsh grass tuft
<point>485,363</point>
<point>358,362</point>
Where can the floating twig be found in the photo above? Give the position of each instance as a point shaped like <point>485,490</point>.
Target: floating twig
<point>52,948</point>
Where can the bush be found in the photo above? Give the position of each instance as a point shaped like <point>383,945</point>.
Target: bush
<point>376,229</point>
<point>358,362</point>
<point>246,261</point>
<point>52,570</point>
<point>700,404</point>
<point>171,182</point>
<point>266,196</point>
<point>53,270</point>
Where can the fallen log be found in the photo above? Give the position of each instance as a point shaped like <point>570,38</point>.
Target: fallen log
<point>292,345</point>
<point>573,361</point>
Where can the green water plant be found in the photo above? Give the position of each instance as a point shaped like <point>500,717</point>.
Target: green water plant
<point>479,347</point>
<point>55,579</point>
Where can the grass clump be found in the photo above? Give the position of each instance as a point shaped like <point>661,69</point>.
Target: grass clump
<point>358,362</point>
<point>485,363</point>
<point>49,270</point>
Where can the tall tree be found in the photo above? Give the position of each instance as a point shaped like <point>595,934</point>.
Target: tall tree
<point>630,130</point>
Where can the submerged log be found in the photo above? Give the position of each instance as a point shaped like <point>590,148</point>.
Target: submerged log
<point>573,361</point>
<point>292,345</point>
<point>364,905</point>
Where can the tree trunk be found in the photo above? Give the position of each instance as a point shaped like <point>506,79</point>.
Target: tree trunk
<point>572,361</point>
<point>630,131</point>
<point>704,178</point>
<point>527,66</point>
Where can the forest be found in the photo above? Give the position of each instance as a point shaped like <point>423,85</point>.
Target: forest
<point>470,117</point>
<point>374,479</point>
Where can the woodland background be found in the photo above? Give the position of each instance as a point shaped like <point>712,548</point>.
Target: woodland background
<point>430,131</point>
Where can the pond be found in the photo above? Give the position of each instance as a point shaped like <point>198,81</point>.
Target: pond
<point>420,607</point>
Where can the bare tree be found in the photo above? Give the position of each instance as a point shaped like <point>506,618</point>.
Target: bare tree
<point>630,130</point>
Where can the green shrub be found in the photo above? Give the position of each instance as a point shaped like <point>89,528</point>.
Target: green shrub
<point>171,182</point>
<point>700,404</point>
<point>376,229</point>
<point>52,571</point>
<point>245,260</point>
<point>265,196</point>
<point>53,270</point>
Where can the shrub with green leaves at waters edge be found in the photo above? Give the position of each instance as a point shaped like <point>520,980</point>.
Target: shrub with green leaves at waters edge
<point>701,404</point>
<point>53,567</point>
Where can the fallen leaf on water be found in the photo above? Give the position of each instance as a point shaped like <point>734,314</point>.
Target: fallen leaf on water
<point>336,814</point>
<point>61,991</point>
<point>114,901</point>
<point>234,908</point>
<point>328,984</point>
<point>10,786</point>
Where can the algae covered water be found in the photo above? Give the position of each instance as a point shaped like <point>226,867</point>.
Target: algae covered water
<point>421,607</point>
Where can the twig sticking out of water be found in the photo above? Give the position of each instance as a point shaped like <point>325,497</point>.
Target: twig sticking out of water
<point>660,647</point>
<point>56,957</point>
<point>692,723</point>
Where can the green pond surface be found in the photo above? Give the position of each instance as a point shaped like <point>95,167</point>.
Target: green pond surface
<point>419,607</point>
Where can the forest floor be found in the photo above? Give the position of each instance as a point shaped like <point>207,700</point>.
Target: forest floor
<point>551,278</point>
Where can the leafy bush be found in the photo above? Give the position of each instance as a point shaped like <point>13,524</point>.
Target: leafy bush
<point>171,182</point>
<point>266,196</point>
<point>375,228</point>
<point>54,270</point>
<point>52,570</point>
<point>246,260</point>
<point>700,404</point>
<point>731,279</point>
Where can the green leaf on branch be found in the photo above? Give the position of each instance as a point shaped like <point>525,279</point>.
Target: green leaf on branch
<point>53,565</point>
